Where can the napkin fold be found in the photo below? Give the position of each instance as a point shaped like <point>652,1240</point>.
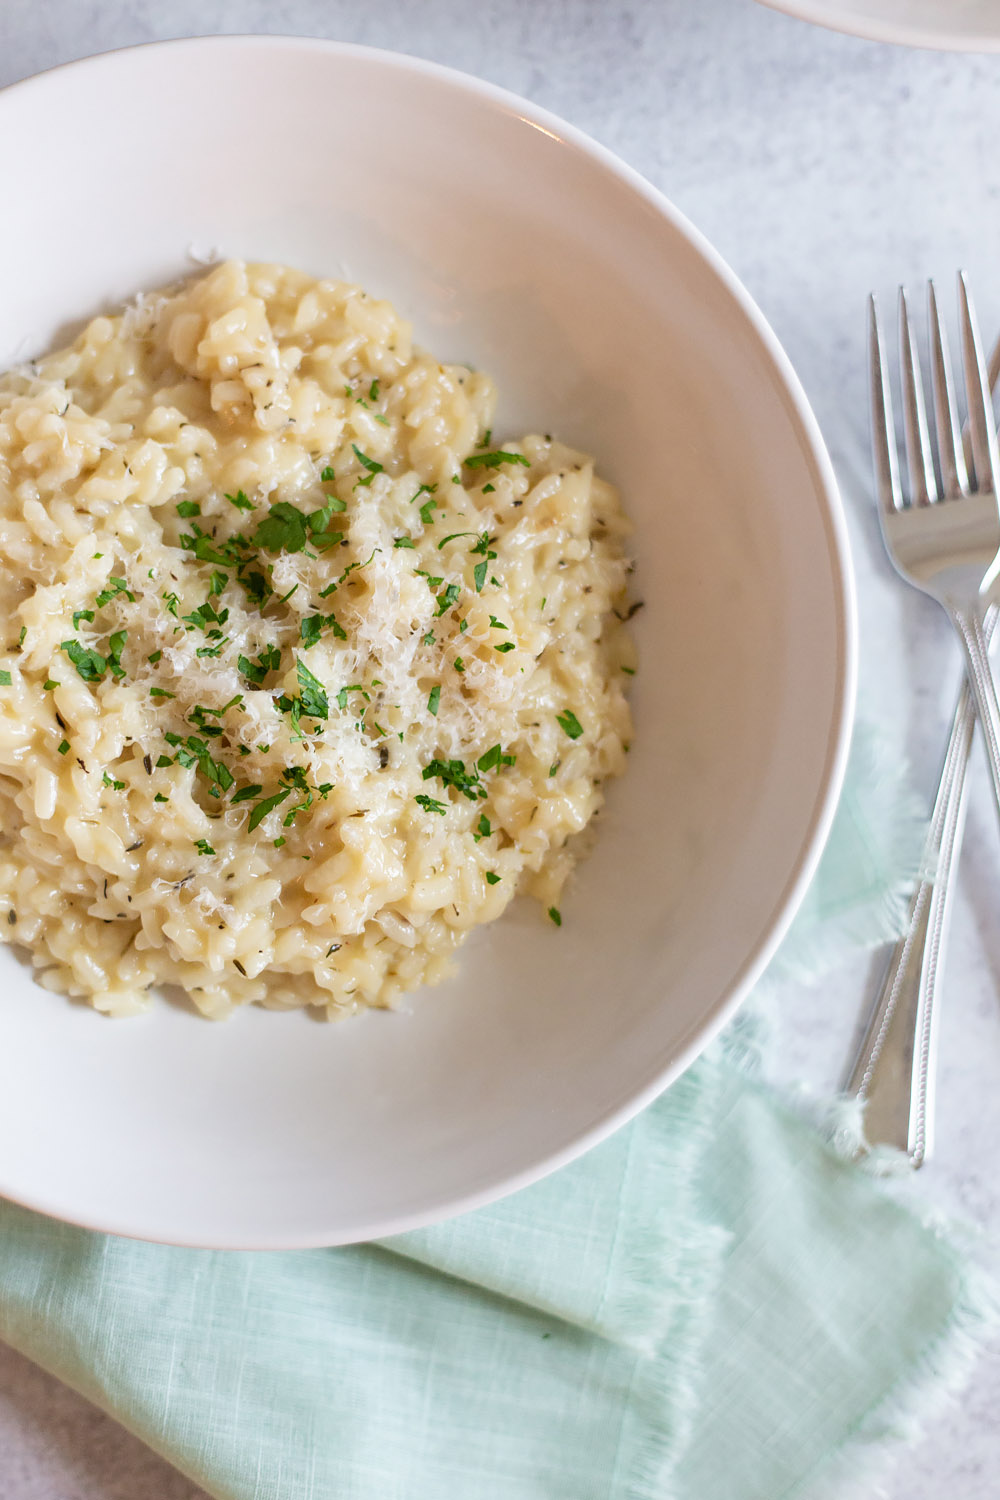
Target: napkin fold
<point>712,1305</point>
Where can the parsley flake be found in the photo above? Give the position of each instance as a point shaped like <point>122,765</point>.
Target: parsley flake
<point>203,846</point>
<point>370,464</point>
<point>555,915</point>
<point>492,878</point>
<point>569,722</point>
<point>430,804</point>
<point>263,808</point>
<point>114,587</point>
<point>495,459</point>
<point>282,530</point>
<point>90,665</point>
<point>434,699</point>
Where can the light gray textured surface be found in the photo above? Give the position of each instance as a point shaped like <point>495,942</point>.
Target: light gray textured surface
<point>820,167</point>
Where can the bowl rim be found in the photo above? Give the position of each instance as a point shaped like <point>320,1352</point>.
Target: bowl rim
<point>803,420</point>
<point>900,33</point>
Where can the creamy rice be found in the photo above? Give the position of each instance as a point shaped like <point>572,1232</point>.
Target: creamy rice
<point>264,564</point>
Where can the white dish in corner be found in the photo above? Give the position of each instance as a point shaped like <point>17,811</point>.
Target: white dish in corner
<point>945,25</point>
<point>515,243</point>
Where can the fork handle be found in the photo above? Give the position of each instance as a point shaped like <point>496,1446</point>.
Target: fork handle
<point>979,674</point>
<point>894,1070</point>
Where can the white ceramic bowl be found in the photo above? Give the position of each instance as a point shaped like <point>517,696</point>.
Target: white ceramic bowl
<point>521,246</point>
<point>947,25</point>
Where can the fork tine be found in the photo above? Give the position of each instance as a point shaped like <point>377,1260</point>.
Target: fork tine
<point>887,484</point>
<point>919,459</point>
<point>982,424</point>
<point>951,450</point>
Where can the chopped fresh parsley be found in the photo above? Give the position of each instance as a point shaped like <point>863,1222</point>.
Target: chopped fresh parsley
<point>569,722</point>
<point>24,632</point>
<point>434,699</point>
<point>459,664</point>
<point>488,489</point>
<point>494,758</point>
<point>505,646</point>
<point>115,586</point>
<point>118,786</point>
<point>629,670</point>
<point>314,699</point>
<point>430,804</point>
<point>312,626</point>
<point>239,500</point>
<point>372,466</point>
<point>483,828</point>
<point>159,797</point>
<point>203,846</point>
<point>268,660</point>
<point>495,459</point>
<point>154,657</point>
<point>188,508</point>
<point>327,475</point>
<point>428,639</point>
<point>373,391</point>
<point>205,616</point>
<point>448,597</point>
<point>425,489</point>
<point>90,665</point>
<point>492,878</point>
<point>268,805</point>
<point>354,687</point>
<point>246,794</point>
<point>310,630</point>
<point>49,684</point>
<point>403,541</point>
<point>82,614</point>
<point>554,767</point>
<point>555,915</point>
<point>158,692</point>
<point>319,523</point>
<point>498,624</point>
<point>116,645</point>
<point>63,747</point>
<point>454,773</point>
<point>170,600</point>
<point>282,530</point>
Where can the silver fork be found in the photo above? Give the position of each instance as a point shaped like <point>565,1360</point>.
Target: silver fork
<point>945,541</point>
<point>894,1070</point>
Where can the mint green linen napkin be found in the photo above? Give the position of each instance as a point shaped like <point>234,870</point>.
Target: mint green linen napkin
<point>711,1305</point>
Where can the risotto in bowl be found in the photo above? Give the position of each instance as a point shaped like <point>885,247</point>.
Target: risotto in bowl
<point>308,675</point>
<point>338,447</point>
